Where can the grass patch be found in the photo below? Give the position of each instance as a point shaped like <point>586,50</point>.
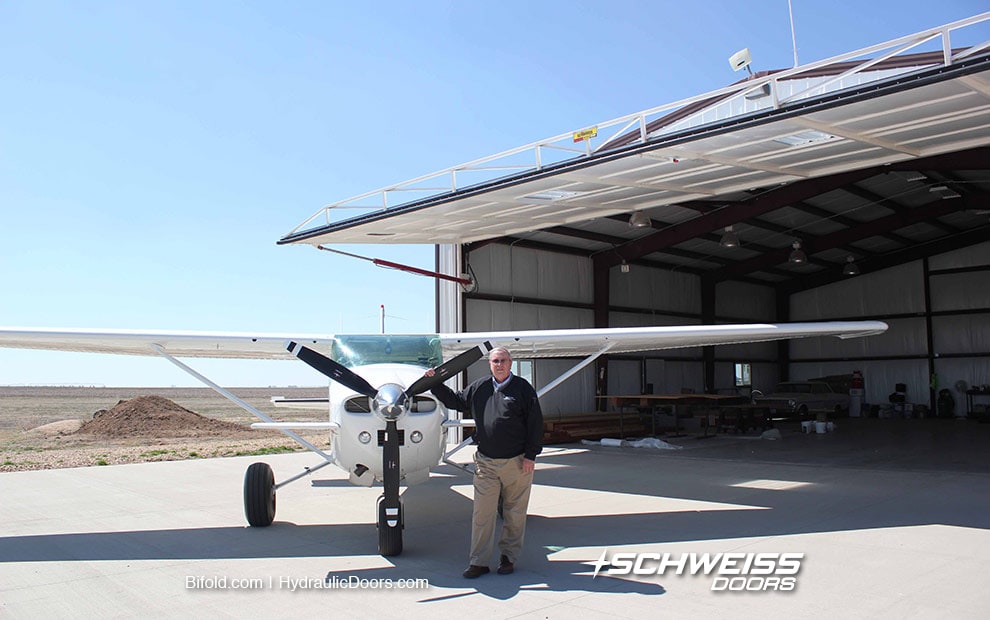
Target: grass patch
<point>10,463</point>
<point>151,453</point>
<point>101,462</point>
<point>265,451</point>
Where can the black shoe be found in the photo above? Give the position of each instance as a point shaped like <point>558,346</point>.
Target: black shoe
<point>505,567</point>
<point>474,571</point>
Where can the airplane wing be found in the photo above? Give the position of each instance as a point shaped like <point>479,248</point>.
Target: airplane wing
<point>230,345</point>
<point>580,342</point>
<point>528,344</point>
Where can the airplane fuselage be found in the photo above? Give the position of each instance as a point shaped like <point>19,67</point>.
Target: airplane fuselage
<point>357,442</point>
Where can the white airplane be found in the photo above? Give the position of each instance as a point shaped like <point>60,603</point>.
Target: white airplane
<point>382,426</point>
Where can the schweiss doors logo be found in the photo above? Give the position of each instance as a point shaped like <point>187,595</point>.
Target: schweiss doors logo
<point>732,572</point>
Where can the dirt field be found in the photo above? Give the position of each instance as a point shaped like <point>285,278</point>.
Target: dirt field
<point>54,427</point>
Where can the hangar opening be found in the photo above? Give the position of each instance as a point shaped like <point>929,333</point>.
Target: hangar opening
<point>856,187</point>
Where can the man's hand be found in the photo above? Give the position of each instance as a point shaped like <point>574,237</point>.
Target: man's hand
<point>430,372</point>
<point>528,465</point>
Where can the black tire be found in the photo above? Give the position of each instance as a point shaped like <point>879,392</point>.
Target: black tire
<point>259,495</point>
<point>389,537</point>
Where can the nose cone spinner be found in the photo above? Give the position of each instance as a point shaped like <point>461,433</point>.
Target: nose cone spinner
<point>390,402</point>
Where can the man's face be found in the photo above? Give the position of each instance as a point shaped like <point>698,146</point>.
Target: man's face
<point>501,365</point>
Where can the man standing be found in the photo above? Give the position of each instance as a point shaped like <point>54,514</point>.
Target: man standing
<point>509,434</point>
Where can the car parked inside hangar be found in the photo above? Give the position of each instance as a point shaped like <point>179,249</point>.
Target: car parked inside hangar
<point>803,398</point>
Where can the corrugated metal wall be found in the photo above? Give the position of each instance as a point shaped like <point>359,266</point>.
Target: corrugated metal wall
<point>557,289</point>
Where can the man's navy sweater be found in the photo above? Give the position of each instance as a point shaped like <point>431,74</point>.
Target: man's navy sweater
<point>508,421</point>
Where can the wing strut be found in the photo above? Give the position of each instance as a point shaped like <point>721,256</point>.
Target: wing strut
<point>241,403</point>
<point>567,375</point>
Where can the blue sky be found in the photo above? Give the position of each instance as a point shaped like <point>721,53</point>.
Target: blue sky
<point>151,153</point>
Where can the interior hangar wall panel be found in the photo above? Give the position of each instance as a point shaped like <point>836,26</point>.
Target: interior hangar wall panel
<point>659,289</point>
<point>764,377</point>
<point>744,301</point>
<point>974,371</point>
<point>671,376</point>
<point>484,316</point>
<point>967,333</point>
<point>880,377</point>
<point>896,290</point>
<point>633,319</point>
<point>642,319</point>
<point>576,395</point>
<point>624,377</point>
<point>725,376</point>
<point>960,291</point>
<point>903,337</point>
<point>972,256</point>
<point>507,270</point>
<point>748,351</point>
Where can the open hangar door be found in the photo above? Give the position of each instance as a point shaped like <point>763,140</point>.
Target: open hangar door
<point>851,188</point>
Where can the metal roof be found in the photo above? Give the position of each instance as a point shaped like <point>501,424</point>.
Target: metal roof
<point>877,155</point>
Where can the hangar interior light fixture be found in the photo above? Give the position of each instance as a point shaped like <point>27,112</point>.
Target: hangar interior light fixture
<point>851,268</point>
<point>639,220</point>
<point>729,238</point>
<point>797,254</point>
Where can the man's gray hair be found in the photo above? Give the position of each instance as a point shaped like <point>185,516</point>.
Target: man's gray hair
<point>499,350</point>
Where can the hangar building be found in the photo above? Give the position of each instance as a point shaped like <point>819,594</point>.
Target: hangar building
<point>857,187</point>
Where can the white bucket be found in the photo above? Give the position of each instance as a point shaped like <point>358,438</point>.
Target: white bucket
<point>821,427</point>
<point>830,426</point>
<point>806,426</point>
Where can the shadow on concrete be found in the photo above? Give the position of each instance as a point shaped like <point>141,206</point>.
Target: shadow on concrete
<point>841,494</point>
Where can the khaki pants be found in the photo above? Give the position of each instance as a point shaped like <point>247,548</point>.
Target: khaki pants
<point>494,477</point>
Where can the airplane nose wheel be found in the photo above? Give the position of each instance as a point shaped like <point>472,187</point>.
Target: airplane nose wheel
<point>390,520</point>
<point>259,495</point>
<point>390,523</point>
<point>390,401</point>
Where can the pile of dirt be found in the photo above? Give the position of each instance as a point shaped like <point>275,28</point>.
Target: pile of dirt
<point>56,429</point>
<point>156,416</point>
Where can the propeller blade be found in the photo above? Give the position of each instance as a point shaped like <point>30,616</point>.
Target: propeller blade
<point>336,371</point>
<point>449,368</point>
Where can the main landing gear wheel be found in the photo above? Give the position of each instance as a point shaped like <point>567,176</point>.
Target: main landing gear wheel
<point>259,495</point>
<point>390,524</point>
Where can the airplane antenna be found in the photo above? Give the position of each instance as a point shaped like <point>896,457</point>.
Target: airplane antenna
<point>383,319</point>
<point>790,9</point>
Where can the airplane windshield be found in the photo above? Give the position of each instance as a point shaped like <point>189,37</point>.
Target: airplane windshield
<point>422,350</point>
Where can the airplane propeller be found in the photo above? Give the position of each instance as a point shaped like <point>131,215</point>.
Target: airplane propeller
<point>335,370</point>
<point>389,401</point>
<point>348,378</point>
<point>449,368</point>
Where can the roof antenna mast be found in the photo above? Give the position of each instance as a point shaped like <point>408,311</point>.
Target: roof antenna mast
<point>790,9</point>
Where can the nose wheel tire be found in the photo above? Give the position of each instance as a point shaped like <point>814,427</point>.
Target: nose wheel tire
<point>390,524</point>
<point>259,495</point>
